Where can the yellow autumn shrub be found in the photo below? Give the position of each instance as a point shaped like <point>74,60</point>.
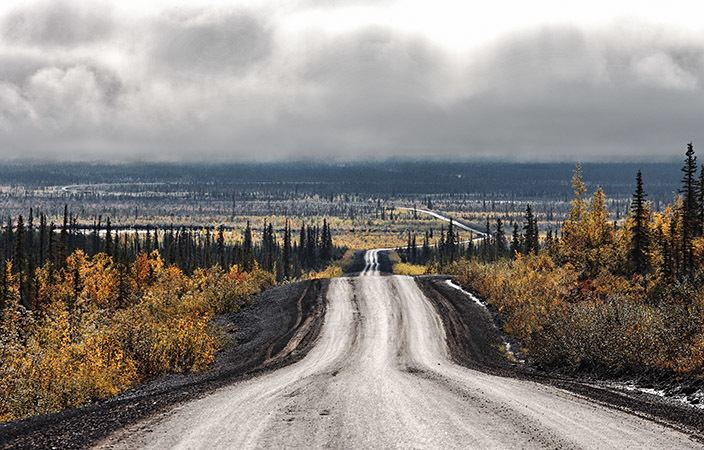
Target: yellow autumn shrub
<point>603,323</point>
<point>409,269</point>
<point>100,328</point>
<point>331,271</point>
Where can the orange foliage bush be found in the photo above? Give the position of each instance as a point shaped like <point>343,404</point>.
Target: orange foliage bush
<point>103,326</point>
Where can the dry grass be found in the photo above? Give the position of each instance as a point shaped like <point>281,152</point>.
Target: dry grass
<point>331,271</point>
<point>410,269</point>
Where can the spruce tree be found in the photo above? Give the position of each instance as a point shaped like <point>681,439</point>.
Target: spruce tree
<point>286,254</point>
<point>700,200</point>
<point>29,283</point>
<point>690,209</point>
<point>108,238</point>
<point>51,244</point>
<point>499,238</point>
<point>548,239</point>
<point>414,249</point>
<point>63,239</point>
<point>247,249</point>
<point>426,248</point>
<point>302,246</point>
<point>96,234</point>
<point>530,232</point>
<point>147,239</point>
<point>452,241</point>
<point>325,243</point>
<point>640,239</point>
<point>515,241</point>
<point>221,246</point>
<point>42,238</point>
<point>20,261</point>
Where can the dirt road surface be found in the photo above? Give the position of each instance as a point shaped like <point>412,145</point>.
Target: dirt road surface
<point>380,376</point>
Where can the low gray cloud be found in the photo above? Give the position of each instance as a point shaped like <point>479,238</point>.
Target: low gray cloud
<point>58,23</point>
<point>226,84</point>
<point>210,42</point>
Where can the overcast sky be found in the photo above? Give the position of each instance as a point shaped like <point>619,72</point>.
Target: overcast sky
<point>201,80</point>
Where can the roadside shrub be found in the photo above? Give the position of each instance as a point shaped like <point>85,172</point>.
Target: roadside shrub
<point>331,271</point>
<point>607,324</point>
<point>409,269</point>
<point>102,328</point>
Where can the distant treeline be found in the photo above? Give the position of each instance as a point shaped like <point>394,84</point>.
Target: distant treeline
<point>669,243</point>
<point>379,179</point>
<point>27,244</point>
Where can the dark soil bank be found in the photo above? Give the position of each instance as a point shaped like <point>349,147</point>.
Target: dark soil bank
<point>260,336</point>
<point>474,339</point>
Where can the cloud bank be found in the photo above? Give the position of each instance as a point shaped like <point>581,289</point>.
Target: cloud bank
<point>81,81</point>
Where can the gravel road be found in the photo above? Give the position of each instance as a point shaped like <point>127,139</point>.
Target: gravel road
<point>381,375</point>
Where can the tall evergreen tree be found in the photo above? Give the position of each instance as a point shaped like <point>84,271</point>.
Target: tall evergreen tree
<point>221,245</point>
<point>530,232</point>
<point>548,239</point>
<point>247,248</point>
<point>29,283</point>
<point>414,249</point>
<point>62,251</point>
<point>148,240</point>
<point>42,238</point>
<point>51,244</point>
<point>302,246</point>
<point>425,252</point>
<point>286,252</point>
<point>700,201</point>
<point>325,243</point>
<point>96,234</point>
<point>640,237</point>
<point>452,241</point>
<point>690,208</point>
<point>500,238</point>
<point>108,237</point>
<point>515,241</point>
<point>20,261</point>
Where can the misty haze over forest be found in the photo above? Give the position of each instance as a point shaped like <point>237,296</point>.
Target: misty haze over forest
<point>198,80</point>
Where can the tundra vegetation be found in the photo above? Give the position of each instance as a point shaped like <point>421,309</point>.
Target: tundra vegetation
<point>616,298</point>
<point>359,199</point>
<point>86,315</point>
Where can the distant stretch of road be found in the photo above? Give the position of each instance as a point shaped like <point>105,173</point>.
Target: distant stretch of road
<point>446,219</point>
<point>380,376</point>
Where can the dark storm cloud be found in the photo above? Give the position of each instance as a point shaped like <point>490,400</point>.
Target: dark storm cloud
<point>231,84</point>
<point>58,22</point>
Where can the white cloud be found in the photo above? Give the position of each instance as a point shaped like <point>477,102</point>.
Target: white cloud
<point>661,70</point>
<point>263,83</point>
<point>58,23</point>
